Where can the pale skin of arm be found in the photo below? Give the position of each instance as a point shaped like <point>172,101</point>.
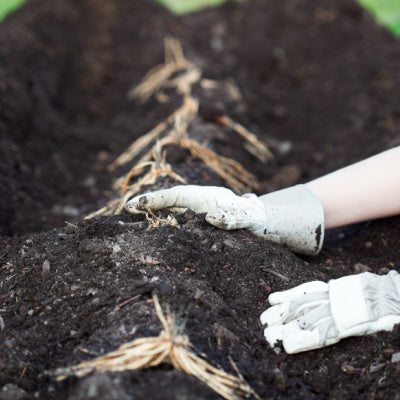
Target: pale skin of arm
<point>366,190</point>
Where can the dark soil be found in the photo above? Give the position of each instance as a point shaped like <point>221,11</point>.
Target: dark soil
<point>319,76</point>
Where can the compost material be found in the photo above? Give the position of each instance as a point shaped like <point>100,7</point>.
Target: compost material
<point>318,83</point>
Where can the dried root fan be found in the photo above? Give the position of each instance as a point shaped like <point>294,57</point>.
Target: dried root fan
<point>170,346</point>
<point>179,73</point>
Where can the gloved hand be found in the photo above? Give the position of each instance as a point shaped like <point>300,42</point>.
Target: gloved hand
<point>318,314</point>
<point>293,217</point>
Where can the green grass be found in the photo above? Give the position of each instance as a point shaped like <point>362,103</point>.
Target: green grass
<point>7,6</point>
<point>387,12</point>
<point>187,6</point>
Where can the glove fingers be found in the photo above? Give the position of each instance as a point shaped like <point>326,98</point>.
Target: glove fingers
<point>305,340</point>
<point>315,317</point>
<point>274,333</point>
<point>309,301</point>
<point>308,312</point>
<point>275,315</point>
<point>229,217</point>
<point>297,292</point>
<point>153,200</point>
<point>293,338</point>
<point>245,212</point>
<point>198,198</point>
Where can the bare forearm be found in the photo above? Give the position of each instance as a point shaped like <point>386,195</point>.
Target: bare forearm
<point>363,191</point>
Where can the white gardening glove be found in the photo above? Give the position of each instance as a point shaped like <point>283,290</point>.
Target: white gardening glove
<point>318,314</point>
<point>293,217</point>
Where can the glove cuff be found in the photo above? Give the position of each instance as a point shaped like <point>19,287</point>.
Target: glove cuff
<point>347,303</point>
<point>298,219</point>
<point>365,303</point>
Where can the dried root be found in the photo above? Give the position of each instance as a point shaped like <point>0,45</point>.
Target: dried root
<point>170,346</point>
<point>158,168</point>
<point>155,221</point>
<point>158,77</point>
<point>236,177</point>
<point>183,116</point>
<point>253,144</point>
<point>177,72</point>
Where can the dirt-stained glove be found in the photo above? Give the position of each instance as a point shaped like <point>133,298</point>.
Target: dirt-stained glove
<point>318,314</point>
<point>293,217</point>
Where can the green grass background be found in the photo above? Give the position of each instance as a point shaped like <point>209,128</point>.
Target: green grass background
<point>387,12</point>
<point>187,6</point>
<point>7,6</point>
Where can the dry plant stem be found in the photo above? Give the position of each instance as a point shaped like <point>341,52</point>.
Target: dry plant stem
<point>134,171</point>
<point>174,130</point>
<point>236,177</point>
<point>184,83</point>
<point>106,210</point>
<point>147,179</point>
<point>229,85</point>
<point>255,146</point>
<point>188,110</point>
<point>157,77</point>
<point>279,275</point>
<point>173,50</point>
<point>155,221</point>
<point>230,170</point>
<point>172,346</point>
<point>116,206</point>
<point>158,167</point>
<point>138,145</point>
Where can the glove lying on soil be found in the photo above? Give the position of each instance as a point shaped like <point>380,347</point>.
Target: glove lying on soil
<point>293,217</point>
<point>318,314</point>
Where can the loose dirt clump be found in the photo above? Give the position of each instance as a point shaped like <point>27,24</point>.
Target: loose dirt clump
<point>319,84</point>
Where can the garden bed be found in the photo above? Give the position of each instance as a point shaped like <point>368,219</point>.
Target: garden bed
<point>319,84</point>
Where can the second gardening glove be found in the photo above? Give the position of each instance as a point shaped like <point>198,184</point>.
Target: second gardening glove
<point>318,314</point>
<point>293,217</point>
